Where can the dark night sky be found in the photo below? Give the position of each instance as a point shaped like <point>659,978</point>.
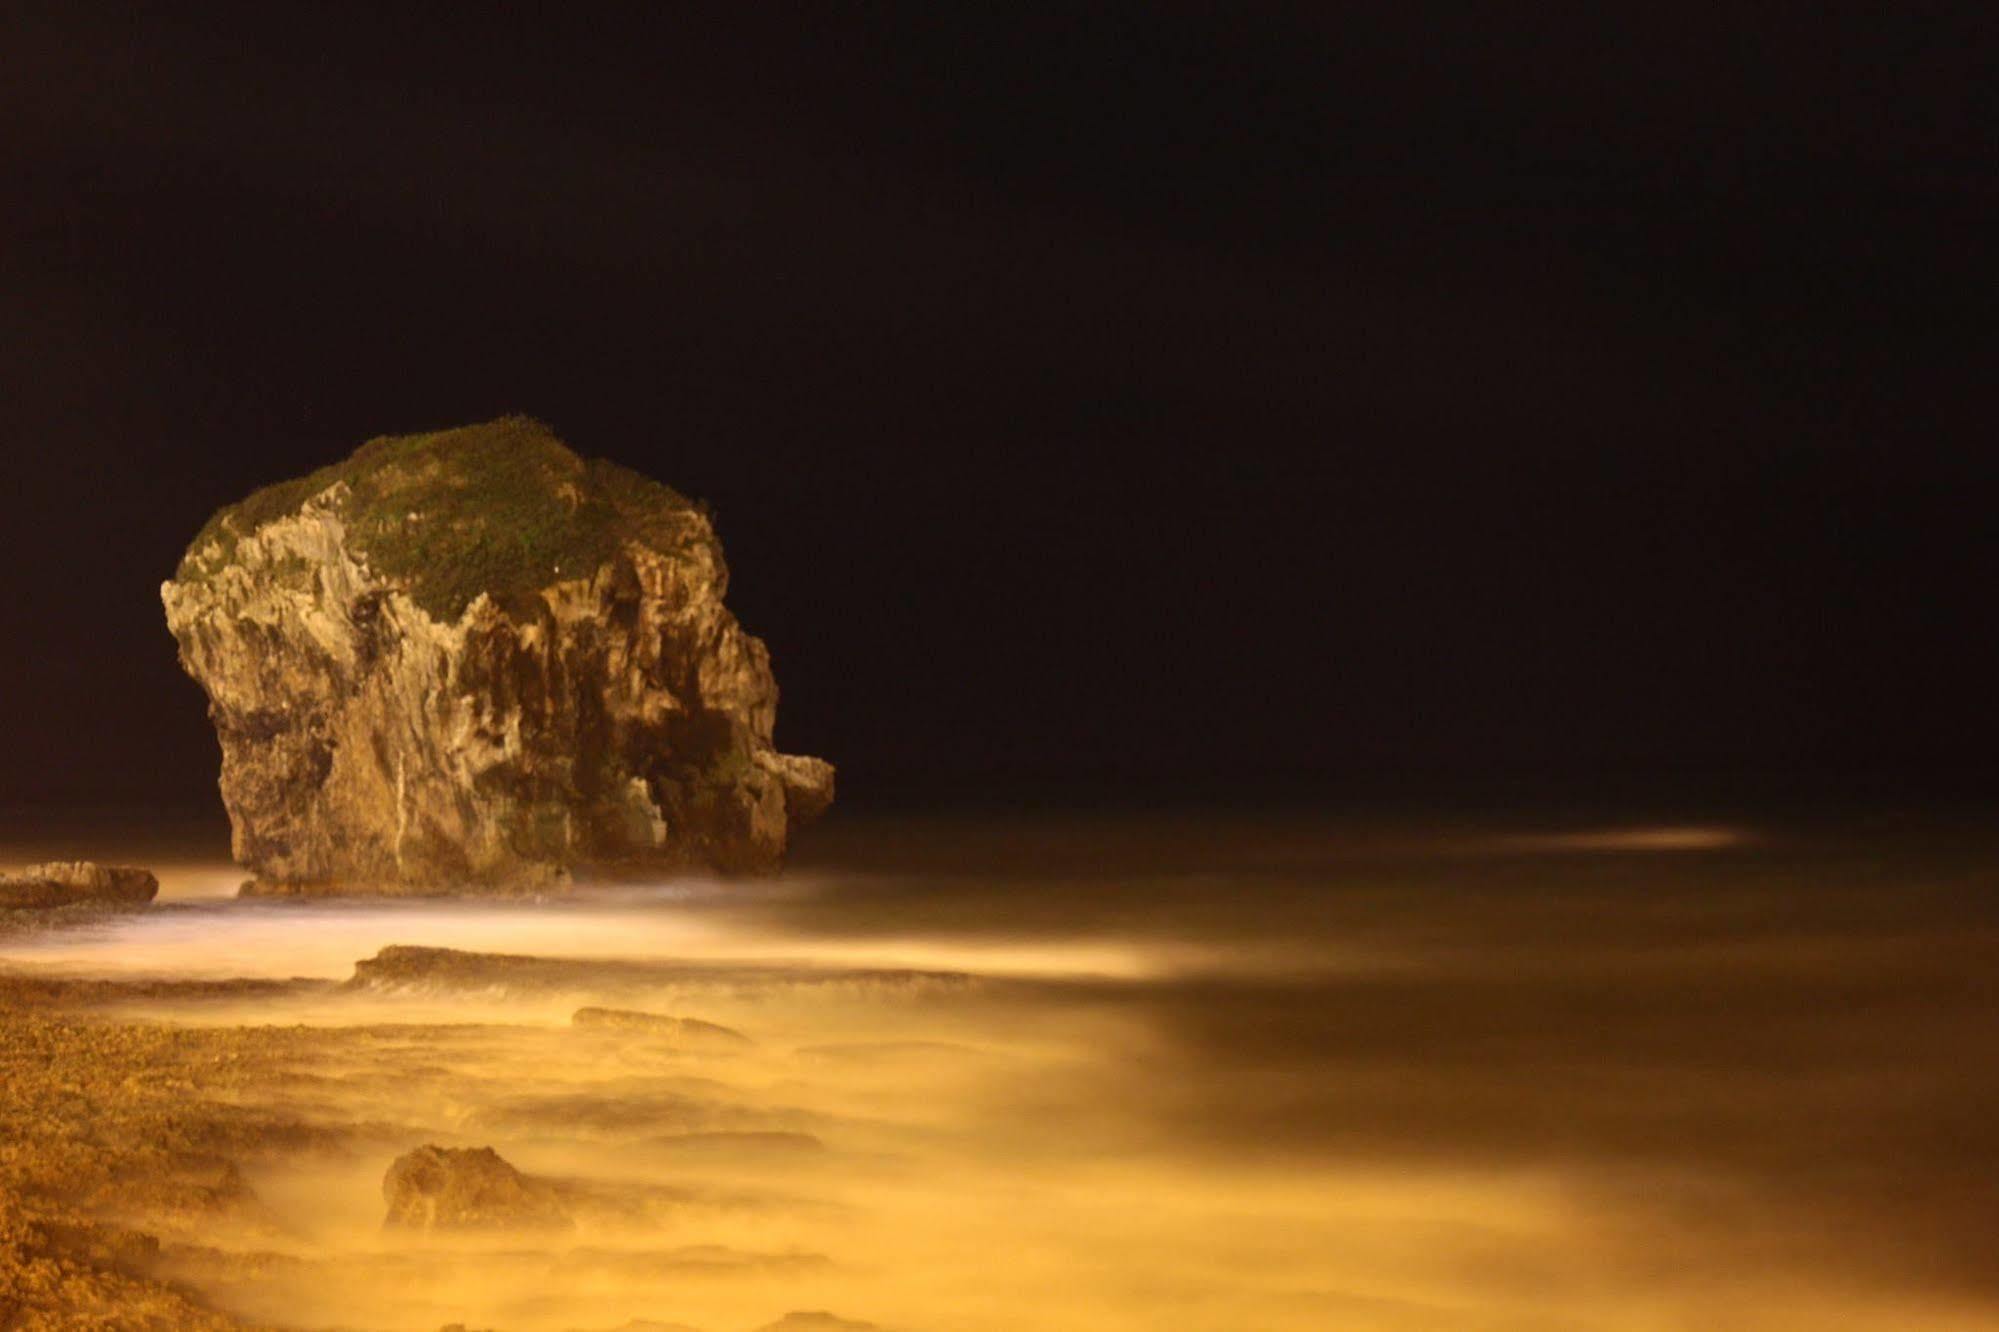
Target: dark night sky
<point>1133,402</point>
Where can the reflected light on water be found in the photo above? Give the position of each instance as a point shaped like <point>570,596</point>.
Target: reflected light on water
<point>1383,1080</point>
<point>1646,840</point>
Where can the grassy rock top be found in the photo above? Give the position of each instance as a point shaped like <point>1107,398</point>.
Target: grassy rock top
<point>503,508</point>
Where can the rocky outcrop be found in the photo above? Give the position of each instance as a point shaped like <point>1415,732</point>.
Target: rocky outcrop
<point>473,658</point>
<point>444,1188</point>
<point>77,882</point>
<point>689,1033</point>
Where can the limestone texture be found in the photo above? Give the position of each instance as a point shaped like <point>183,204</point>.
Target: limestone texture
<point>473,659</point>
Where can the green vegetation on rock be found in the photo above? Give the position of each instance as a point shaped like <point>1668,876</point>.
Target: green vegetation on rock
<point>503,508</point>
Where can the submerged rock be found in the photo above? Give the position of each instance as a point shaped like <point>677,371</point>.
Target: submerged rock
<point>74,882</point>
<point>473,657</point>
<point>690,1032</point>
<point>446,1188</point>
<point>417,968</point>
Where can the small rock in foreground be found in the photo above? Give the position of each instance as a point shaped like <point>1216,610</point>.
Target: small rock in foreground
<point>446,1188</point>
<point>71,882</point>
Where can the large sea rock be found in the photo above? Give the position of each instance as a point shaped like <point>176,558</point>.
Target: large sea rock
<point>473,658</point>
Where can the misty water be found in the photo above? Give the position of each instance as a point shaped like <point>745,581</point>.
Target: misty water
<point>1135,1073</point>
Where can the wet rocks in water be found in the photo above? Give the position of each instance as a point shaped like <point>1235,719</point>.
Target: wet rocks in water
<point>63,1274</point>
<point>20,991</point>
<point>414,967</point>
<point>689,1033</point>
<point>445,1188</point>
<point>76,883</point>
<point>474,658</point>
<point>417,967</point>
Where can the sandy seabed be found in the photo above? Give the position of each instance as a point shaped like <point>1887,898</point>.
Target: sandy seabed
<point>1201,1073</point>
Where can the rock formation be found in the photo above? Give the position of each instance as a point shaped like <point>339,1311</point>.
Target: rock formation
<point>474,658</point>
<point>445,1188</point>
<point>70,883</point>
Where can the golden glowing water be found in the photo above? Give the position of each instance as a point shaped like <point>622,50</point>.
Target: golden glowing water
<point>1232,1075</point>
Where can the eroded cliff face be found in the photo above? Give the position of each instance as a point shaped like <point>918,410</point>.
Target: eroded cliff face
<point>472,658</point>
